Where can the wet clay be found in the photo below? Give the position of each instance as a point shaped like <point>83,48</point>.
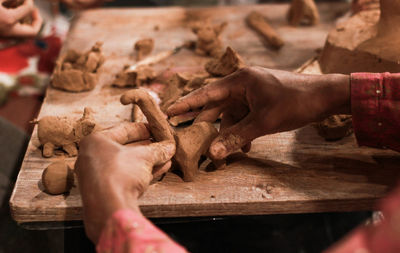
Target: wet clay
<point>228,63</point>
<point>143,48</point>
<point>258,23</point>
<point>366,42</point>
<point>64,132</point>
<point>303,12</point>
<point>78,72</point>
<point>208,38</point>
<point>335,127</point>
<point>142,75</point>
<point>57,178</point>
<point>191,142</point>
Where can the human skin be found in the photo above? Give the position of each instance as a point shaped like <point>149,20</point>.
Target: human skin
<point>10,17</point>
<point>112,176</point>
<point>257,101</point>
<point>83,4</point>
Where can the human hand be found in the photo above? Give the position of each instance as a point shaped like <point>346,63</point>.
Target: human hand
<point>112,176</point>
<point>10,25</point>
<point>258,101</point>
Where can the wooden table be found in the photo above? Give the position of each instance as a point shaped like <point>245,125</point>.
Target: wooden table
<point>291,172</point>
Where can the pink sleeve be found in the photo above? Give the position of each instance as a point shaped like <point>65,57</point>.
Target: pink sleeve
<point>127,231</point>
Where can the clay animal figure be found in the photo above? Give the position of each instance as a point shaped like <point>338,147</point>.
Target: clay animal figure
<point>58,178</point>
<point>138,77</point>
<point>143,48</point>
<point>64,132</point>
<point>208,38</point>
<point>192,142</point>
<point>303,12</point>
<point>78,72</point>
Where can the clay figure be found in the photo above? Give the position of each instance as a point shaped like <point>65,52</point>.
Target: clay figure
<point>143,48</point>
<point>228,63</point>
<point>64,132</point>
<point>303,12</point>
<point>138,77</point>
<point>208,38</point>
<point>335,127</point>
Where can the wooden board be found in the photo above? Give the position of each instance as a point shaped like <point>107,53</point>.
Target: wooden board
<point>290,172</point>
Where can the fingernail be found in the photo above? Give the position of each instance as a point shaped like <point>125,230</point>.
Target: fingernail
<point>218,150</point>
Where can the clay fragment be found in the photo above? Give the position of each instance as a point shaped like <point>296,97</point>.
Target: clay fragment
<point>143,48</point>
<point>78,72</point>
<point>228,63</point>
<point>173,91</point>
<point>303,12</point>
<point>64,132</point>
<point>366,42</point>
<point>257,21</point>
<point>335,127</point>
<point>208,38</point>
<point>57,178</point>
<point>142,75</point>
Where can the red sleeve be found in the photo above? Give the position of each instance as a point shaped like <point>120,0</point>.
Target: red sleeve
<point>129,232</point>
<point>375,105</point>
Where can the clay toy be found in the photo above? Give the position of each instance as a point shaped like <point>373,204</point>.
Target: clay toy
<point>138,77</point>
<point>78,72</point>
<point>335,127</point>
<point>208,38</point>
<point>191,142</point>
<point>270,37</point>
<point>143,48</point>
<point>228,63</point>
<point>303,12</point>
<point>57,178</point>
<point>64,132</point>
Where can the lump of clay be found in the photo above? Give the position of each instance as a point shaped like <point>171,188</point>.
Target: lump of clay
<point>57,178</point>
<point>193,142</point>
<point>228,63</point>
<point>64,132</point>
<point>366,42</point>
<point>335,127</point>
<point>173,91</point>
<point>303,12</point>
<point>141,75</point>
<point>257,22</point>
<point>143,48</point>
<point>208,38</point>
<point>78,72</point>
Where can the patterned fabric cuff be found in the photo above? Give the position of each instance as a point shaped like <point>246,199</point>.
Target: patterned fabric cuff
<point>127,231</point>
<point>375,105</point>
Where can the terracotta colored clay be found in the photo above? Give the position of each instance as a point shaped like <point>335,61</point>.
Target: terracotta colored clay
<point>191,142</point>
<point>183,118</point>
<point>78,72</point>
<point>57,178</point>
<point>143,48</point>
<point>64,132</point>
<point>136,78</point>
<point>335,127</point>
<point>303,12</point>
<point>228,63</point>
<point>366,42</point>
<point>173,90</point>
<point>208,38</point>
<point>257,21</point>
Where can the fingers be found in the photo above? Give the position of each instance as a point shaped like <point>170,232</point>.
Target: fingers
<point>159,170</point>
<point>160,153</point>
<point>127,132</point>
<point>234,138</point>
<point>210,113</point>
<point>27,30</point>
<point>211,93</point>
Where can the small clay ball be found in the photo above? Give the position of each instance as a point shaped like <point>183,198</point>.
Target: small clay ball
<point>57,178</point>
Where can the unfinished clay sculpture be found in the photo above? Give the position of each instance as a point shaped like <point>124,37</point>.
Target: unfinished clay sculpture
<point>57,178</point>
<point>335,127</point>
<point>78,72</point>
<point>143,48</point>
<point>138,77</point>
<point>303,12</point>
<point>258,23</point>
<point>208,38</point>
<point>228,63</point>
<point>64,132</point>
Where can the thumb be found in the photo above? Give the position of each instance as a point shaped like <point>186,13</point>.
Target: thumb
<point>161,152</point>
<point>234,138</point>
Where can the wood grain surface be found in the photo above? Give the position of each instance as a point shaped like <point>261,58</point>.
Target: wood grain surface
<point>290,172</point>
